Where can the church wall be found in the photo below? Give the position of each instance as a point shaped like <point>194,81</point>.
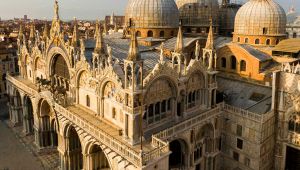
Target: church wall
<point>238,127</point>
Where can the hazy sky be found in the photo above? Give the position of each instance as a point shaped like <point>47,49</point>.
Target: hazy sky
<point>81,9</point>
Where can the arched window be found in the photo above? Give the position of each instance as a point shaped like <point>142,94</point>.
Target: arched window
<point>161,34</point>
<point>233,63</point>
<point>223,62</point>
<point>172,33</point>
<point>238,39</point>
<point>150,34</point>
<point>257,41</point>
<point>60,67</point>
<point>138,34</point>
<point>88,104</point>
<point>246,40</point>
<point>243,65</point>
<point>268,41</point>
<point>294,35</point>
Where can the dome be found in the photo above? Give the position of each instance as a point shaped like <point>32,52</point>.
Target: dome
<point>197,12</point>
<point>152,13</point>
<point>260,17</point>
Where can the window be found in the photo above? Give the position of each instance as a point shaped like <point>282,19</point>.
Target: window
<point>161,34</point>
<point>114,113</point>
<point>246,40</point>
<point>172,33</point>
<point>239,130</point>
<point>138,34</point>
<point>236,156</point>
<point>239,143</point>
<point>268,41</point>
<point>150,34</point>
<point>233,63</point>
<point>87,100</point>
<point>294,35</point>
<point>257,41</point>
<point>238,39</point>
<point>243,65</point>
<point>265,30</point>
<point>223,62</point>
<point>291,125</point>
<point>247,161</point>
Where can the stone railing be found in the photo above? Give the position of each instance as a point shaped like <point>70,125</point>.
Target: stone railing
<point>245,113</point>
<point>161,149</point>
<point>114,144</point>
<point>21,85</point>
<point>294,139</point>
<point>188,124</point>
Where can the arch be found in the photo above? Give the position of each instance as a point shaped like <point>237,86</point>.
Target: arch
<point>47,125</point>
<point>150,33</point>
<point>223,62</point>
<point>159,106</point>
<point>60,67</point>
<point>233,62</point>
<point>28,115</point>
<point>138,34</point>
<point>194,90</point>
<point>98,159</point>
<point>243,65</point>
<point>246,40</point>
<point>74,149</point>
<point>257,41</point>
<point>268,42</point>
<point>161,34</point>
<point>178,158</point>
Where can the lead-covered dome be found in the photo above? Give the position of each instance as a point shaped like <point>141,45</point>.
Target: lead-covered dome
<point>152,13</point>
<point>260,17</point>
<point>197,13</point>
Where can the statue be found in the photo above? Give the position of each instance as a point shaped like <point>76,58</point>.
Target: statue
<point>161,58</point>
<point>197,50</point>
<point>109,52</point>
<point>82,50</point>
<point>56,9</point>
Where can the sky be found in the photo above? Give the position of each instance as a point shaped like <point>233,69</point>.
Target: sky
<point>81,9</point>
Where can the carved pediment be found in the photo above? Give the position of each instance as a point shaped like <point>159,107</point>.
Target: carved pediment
<point>194,66</point>
<point>161,69</point>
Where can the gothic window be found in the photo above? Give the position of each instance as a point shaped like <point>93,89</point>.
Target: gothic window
<point>223,62</point>
<point>257,41</point>
<point>243,65</point>
<point>233,63</point>
<point>88,101</point>
<point>150,34</point>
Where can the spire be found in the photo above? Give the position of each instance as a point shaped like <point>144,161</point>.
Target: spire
<point>20,36</point>
<point>32,32</point>
<point>133,54</point>
<point>210,38</point>
<point>74,42</point>
<point>99,39</point>
<point>46,31</point>
<point>161,57</point>
<point>197,50</point>
<point>116,27</point>
<point>56,10</point>
<point>179,43</point>
<point>96,29</point>
<point>104,29</point>
<point>112,18</point>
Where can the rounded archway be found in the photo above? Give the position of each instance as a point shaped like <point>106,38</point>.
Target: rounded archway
<point>74,150</point>
<point>97,159</point>
<point>28,116</point>
<point>47,128</point>
<point>177,159</point>
<point>60,67</point>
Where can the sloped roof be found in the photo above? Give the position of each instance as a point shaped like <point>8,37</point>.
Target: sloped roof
<point>289,45</point>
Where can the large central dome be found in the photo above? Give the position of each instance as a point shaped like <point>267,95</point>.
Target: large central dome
<point>152,13</point>
<point>260,18</point>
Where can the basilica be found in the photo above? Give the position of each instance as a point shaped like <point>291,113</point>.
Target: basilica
<point>185,85</point>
